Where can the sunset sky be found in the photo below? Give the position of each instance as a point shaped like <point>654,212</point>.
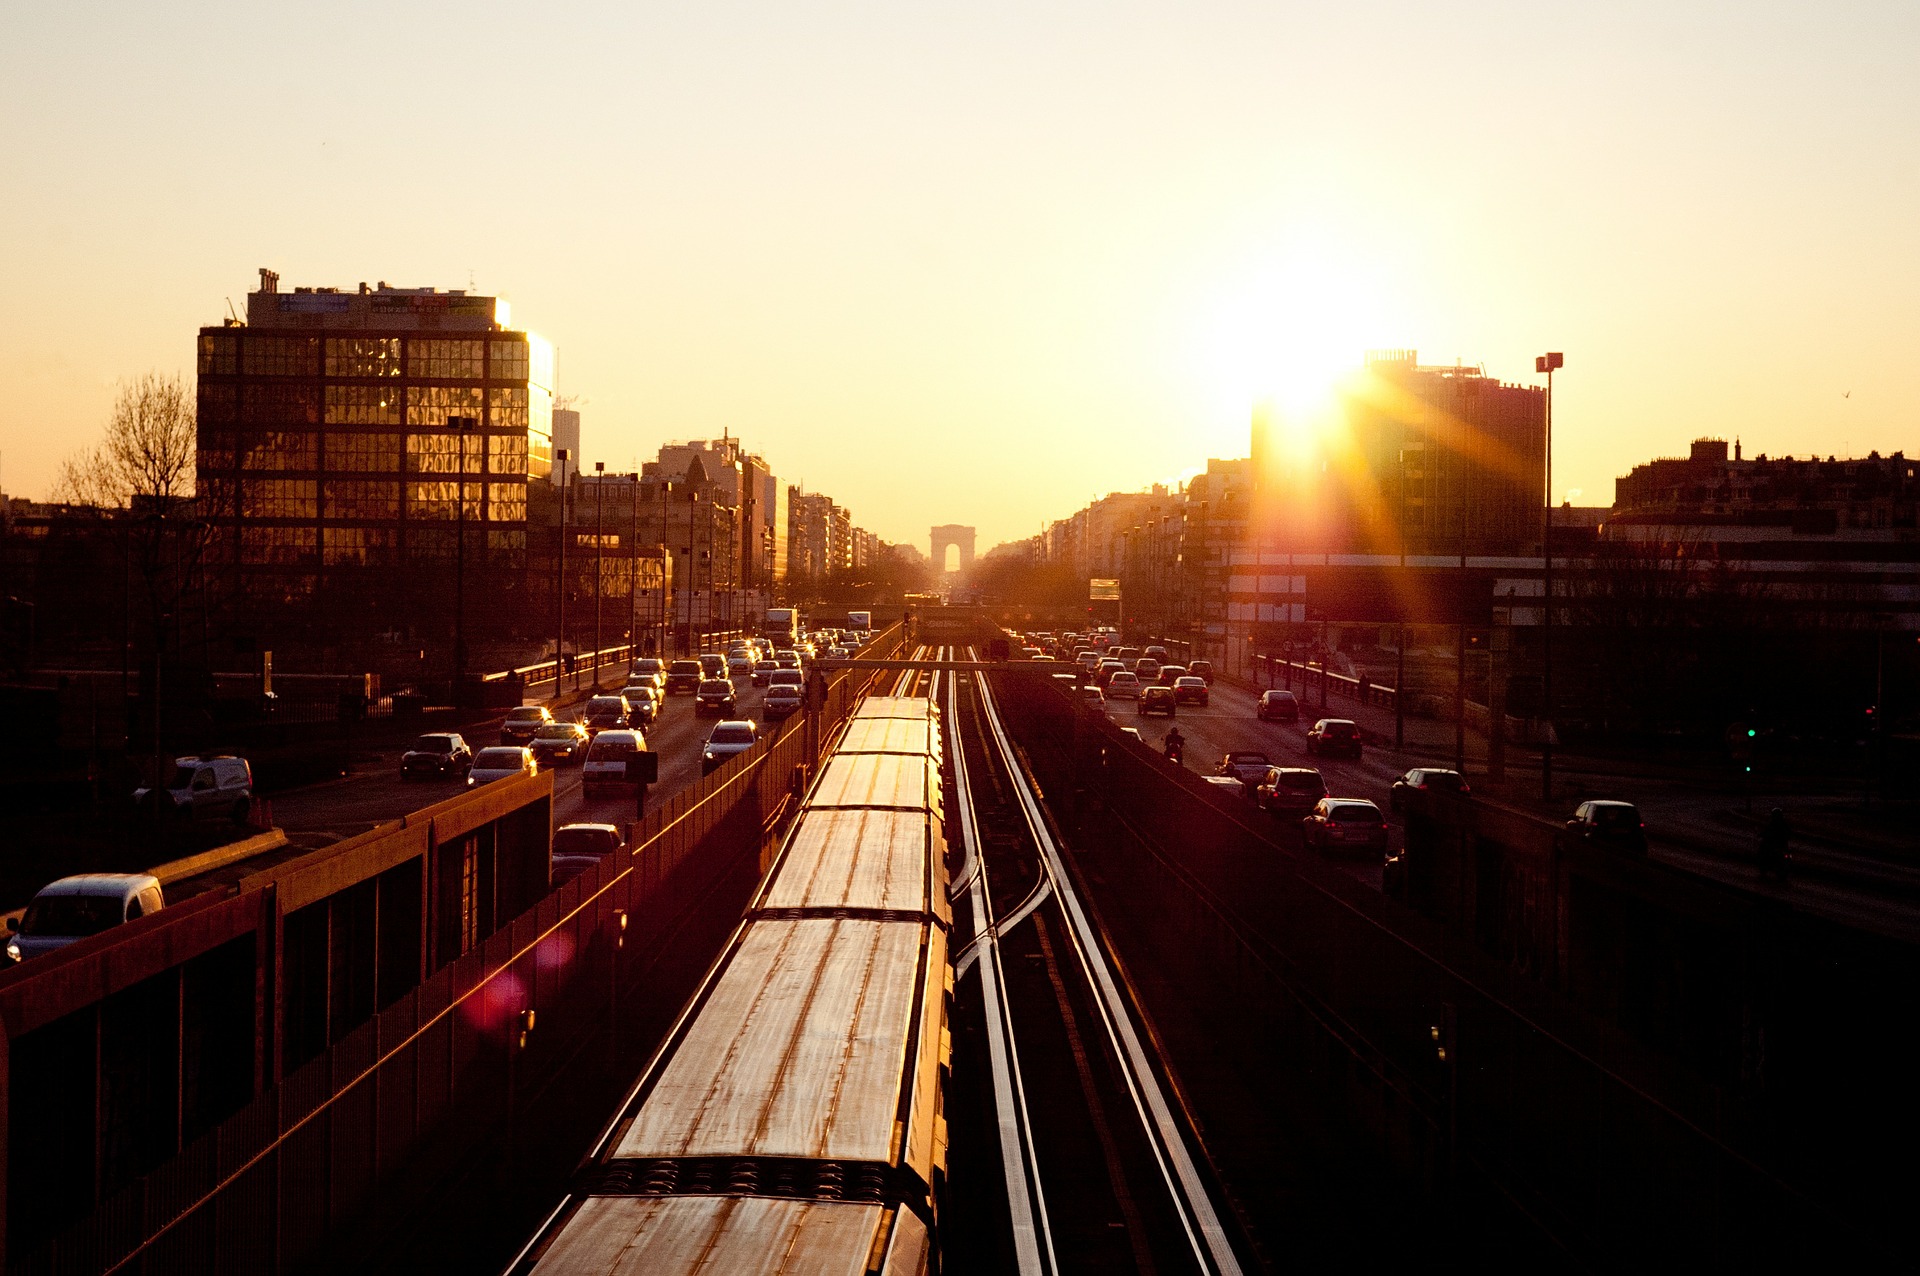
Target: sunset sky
<point>980,263</point>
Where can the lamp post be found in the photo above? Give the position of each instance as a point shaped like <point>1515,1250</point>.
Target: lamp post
<point>560,581</point>
<point>633,573</point>
<point>462,427</point>
<point>1547,363</point>
<point>599,556</point>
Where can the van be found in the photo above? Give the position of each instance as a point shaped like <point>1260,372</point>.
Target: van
<point>75,907</point>
<point>210,786</point>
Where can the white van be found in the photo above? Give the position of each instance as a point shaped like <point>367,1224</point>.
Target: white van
<point>75,907</point>
<point>205,787</point>
<point>606,764</point>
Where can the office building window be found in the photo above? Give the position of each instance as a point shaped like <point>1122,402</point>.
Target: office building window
<point>215,495</point>
<point>219,353</point>
<point>509,361</point>
<point>218,403</point>
<point>507,548</point>
<point>358,546</point>
<point>507,502</point>
<point>362,499</point>
<point>279,450</point>
<point>363,356</point>
<point>281,405</point>
<point>446,360</point>
<point>507,407</point>
<point>430,542</point>
<point>263,356</point>
<point>216,451</point>
<point>539,363</point>
<point>378,452</point>
<point>507,454</point>
<point>441,453</point>
<point>278,544</point>
<point>433,404</point>
<point>364,405</point>
<point>278,498</point>
<point>434,500</point>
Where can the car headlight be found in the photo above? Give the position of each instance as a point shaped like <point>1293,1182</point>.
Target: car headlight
<point>13,950</point>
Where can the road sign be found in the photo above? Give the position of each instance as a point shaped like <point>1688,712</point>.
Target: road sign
<point>1103,591</point>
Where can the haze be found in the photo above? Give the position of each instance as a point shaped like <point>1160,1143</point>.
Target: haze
<point>980,263</point>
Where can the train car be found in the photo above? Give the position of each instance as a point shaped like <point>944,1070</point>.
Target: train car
<point>793,1122</point>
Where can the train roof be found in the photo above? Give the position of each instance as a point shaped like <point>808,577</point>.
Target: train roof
<point>862,859</point>
<point>891,735</point>
<point>736,1235</point>
<point>820,1035</point>
<point>894,707</point>
<point>897,780</point>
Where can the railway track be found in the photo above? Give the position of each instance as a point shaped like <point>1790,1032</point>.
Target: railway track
<point>1097,1165</point>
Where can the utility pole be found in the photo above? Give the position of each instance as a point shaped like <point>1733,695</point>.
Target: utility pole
<point>462,427</point>
<point>560,582</point>
<point>633,575</point>
<point>599,556</point>
<point>1547,363</point>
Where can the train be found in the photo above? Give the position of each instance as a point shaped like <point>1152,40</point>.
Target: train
<point>793,1121</point>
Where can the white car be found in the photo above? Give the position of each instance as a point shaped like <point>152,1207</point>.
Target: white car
<point>606,764</point>
<point>1123,686</point>
<point>501,762</point>
<point>1094,698</point>
<point>203,788</point>
<point>75,907</point>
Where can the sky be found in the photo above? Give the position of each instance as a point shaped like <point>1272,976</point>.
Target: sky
<point>983,263</point>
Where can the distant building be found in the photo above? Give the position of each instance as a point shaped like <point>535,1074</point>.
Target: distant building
<point>328,440</point>
<point>566,438</point>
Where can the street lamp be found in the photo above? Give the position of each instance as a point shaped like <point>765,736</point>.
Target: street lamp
<point>633,572</point>
<point>560,580</point>
<point>461,426</point>
<point>599,556</point>
<point>1547,363</point>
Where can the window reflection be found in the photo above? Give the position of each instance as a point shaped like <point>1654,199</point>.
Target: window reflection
<point>363,356</point>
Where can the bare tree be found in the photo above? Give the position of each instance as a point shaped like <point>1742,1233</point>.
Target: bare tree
<point>147,454</point>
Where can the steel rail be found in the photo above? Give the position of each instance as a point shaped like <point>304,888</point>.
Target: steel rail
<point>1026,1199</point>
<point>1211,1247</point>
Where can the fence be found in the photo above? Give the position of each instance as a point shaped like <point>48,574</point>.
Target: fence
<point>1537,1119</point>
<point>349,1148</point>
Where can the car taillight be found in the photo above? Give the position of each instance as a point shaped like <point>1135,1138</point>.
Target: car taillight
<point>1333,824</point>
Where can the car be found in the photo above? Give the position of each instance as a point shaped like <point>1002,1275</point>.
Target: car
<point>1147,669</point>
<point>787,678</point>
<point>1069,681</point>
<point>579,847</point>
<point>1334,736</point>
<point>1089,661</point>
<point>606,764</point>
<point>521,723</point>
<point>1290,791</point>
<point>763,668</point>
<point>1248,765</point>
<point>782,701</point>
<point>1123,685</point>
<point>1157,700</point>
<point>1170,674</point>
<point>437,756</point>
<point>1232,784</point>
<point>604,712</point>
<point>740,665</point>
<point>1106,670</point>
<point>646,702</point>
<point>75,907</point>
<point>1345,824</point>
<point>1277,706</point>
<point>713,665</point>
<point>207,786</point>
<point>683,677</point>
<point>1426,778</point>
<point>1157,652</point>
<point>502,761</point>
<point>561,743</point>
<point>1609,825</point>
<point>786,658</point>
<point>1094,698</point>
<point>1201,669</point>
<point>1191,690</point>
<point>727,740</point>
<point>714,695</point>
<point>649,669</point>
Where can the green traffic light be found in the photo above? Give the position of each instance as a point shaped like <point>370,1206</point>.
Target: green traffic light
<point>1751,733</point>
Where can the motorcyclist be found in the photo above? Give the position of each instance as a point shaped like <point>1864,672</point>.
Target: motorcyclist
<point>1774,841</point>
<point>1176,746</point>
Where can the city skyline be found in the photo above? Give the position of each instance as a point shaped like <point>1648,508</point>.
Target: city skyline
<point>856,237</point>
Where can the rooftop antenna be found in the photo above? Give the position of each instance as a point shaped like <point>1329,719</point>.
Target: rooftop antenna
<point>230,314</point>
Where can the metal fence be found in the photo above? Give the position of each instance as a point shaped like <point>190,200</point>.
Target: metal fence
<point>342,1146</point>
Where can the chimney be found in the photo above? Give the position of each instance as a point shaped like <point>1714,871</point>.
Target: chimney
<point>1736,448</point>
<point>1711,450</point>
<point>269,280</point>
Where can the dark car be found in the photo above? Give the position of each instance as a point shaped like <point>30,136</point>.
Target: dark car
<point>1334,736</point>
<point>1426,778</point>
<point>560,744</point>
<point>1611,825</point>
<point>1171,674</point>
<point>437,757</point>
<point>1245,765</point>
<point>683,677</point>
<point>715,696</point>
<point>1345,824</point>
<point>523,722</point>
<point>782,701</point>
<point>1191,690</point>
<point>1290,791</point>
<point>1201,669</point>
<point>578,847</point>
<point>1277,706</point>
<point>727,740</point>
<point>713,665</point>
<point>608,713</point>
<point>1157,700</point>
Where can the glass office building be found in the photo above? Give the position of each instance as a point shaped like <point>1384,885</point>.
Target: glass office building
<point>343,430</point>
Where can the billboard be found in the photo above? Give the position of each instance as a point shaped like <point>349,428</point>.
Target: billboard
<point>1103,591</point>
